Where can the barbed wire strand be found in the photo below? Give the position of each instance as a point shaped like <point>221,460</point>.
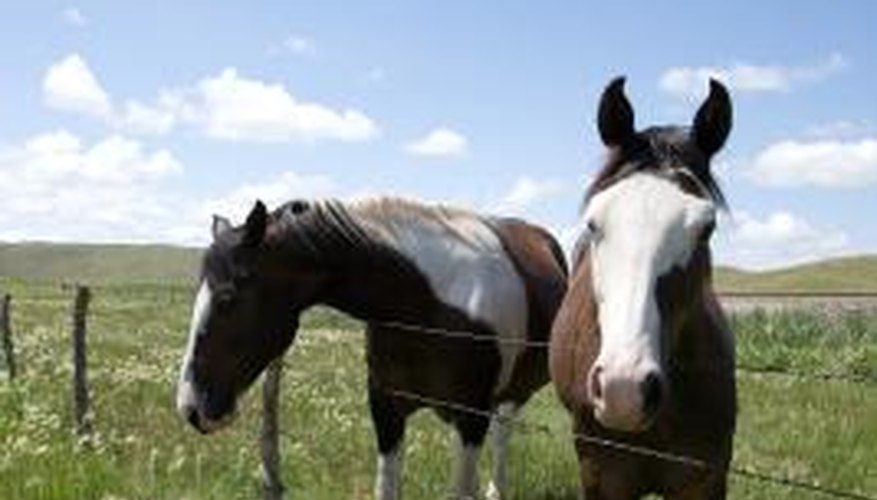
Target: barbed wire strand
<point>638,450</point>
<point>542,344</point>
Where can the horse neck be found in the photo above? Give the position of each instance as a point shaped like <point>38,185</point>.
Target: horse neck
<point>363,276</point>
<point>379,288</point>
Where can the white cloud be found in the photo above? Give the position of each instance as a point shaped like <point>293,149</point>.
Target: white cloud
<point>690,82</point>
<point>440,142</point>
<point>70,85</point>
<point>842,129</point>
<point>227,106</point>
<point>139,118</point>
<point>74,17</point>
<point>55,187</point>
<point>825,163</point>
<point>778,240</point>
<point>238,108</point>
<point>280,189</point>
<point>526,191</point>
<point>192,227</point>
<point>297,45</point>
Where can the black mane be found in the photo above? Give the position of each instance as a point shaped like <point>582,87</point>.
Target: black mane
<point>666,151</point>
<point>320,231</point>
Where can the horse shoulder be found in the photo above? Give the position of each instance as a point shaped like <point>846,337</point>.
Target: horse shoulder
<point>540,263</point>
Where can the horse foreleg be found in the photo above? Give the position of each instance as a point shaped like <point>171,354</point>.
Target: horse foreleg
<point>713,487</point>
<point>389,426</point>
<point>500,434</point>
<point>471,431</point>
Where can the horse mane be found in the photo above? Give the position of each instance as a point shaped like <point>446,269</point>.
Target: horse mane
<point>664,151</point>
<point>318,231</point>
<point>333,229</point>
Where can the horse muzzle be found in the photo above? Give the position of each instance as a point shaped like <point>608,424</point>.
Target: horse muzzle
<point>204,413</point>
<point>625,400</point>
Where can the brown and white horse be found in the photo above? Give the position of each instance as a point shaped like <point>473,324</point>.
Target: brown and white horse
<point>641,353</point>
<point>390,263</point>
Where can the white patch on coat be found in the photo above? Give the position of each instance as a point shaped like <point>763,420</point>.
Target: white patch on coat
<point>500,433</point>
<point>388,477</point>
<point>643,227</point>
<point>187,396</point>
<point>465,263</point>
<point>466,474</point>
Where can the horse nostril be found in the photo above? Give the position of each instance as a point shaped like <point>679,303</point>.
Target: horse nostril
<point>595,384</point>
<point>651,392</point>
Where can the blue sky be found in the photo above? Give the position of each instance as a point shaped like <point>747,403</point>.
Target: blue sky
<point>133,122</point>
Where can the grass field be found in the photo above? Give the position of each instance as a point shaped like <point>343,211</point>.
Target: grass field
<point>843,274</point>
<point>124,264</point>
<point>822,432</point>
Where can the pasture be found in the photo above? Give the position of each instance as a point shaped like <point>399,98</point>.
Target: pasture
<point>809,429</point>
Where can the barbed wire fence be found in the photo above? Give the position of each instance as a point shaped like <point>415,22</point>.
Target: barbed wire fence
<point>533,427</point>
<point>6,336</point>
<point>272,487</point>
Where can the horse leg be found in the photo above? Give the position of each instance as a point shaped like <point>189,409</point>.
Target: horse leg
<point>713,488</point>
<point>613,485</point>
<point>390,430</point>
<point>500,433</point>
<point>606,480</point>
<point>471,430</point>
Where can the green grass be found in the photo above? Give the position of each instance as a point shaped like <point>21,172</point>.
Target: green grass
<point>845,274</point>
<point>99,263</point>
<point>125,264</point>
<point>815,431</point>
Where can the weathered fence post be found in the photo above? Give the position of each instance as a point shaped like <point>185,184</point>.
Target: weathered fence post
<point>6,333</point>
<point>272,486</point>
<point>80,385</point>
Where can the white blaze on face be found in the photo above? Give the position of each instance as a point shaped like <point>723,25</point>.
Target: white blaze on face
<point>187,396</point>
<point>643,227</point>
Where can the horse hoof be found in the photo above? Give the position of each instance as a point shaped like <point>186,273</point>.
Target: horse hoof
<point>493,492</point>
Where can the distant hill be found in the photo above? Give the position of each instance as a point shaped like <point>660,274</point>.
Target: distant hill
<point>108,264</point>
<point>843,274</point>
<point>99,264</point>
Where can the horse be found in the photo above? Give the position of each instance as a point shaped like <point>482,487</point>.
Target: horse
<point>641,353</point>
<point>409,270</point>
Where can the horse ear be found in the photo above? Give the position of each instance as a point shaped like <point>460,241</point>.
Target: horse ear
<point>257,222</point>
<point>712,123</point>
<point>615,115</point>
<point>220,225</point>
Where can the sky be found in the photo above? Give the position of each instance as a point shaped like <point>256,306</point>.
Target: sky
<point>134,122</point>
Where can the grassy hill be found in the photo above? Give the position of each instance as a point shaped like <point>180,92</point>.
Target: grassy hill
<point>99,264</point>
<point>113,264</point>
<point>844,274</point>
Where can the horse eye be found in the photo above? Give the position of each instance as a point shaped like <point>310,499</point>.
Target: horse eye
<point>224,301</point>
<point>593,229</point>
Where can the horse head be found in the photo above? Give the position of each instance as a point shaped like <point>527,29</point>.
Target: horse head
<point>649,217</point>
<point>252,290</point>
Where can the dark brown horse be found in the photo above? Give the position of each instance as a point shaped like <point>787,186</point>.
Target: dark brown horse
<point>394,264</point>
<point>640,352</point>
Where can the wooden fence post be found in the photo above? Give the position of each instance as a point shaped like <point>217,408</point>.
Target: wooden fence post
<point>6,333</point>
<point>272,486</point>
<point>80,383</point>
